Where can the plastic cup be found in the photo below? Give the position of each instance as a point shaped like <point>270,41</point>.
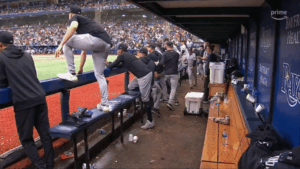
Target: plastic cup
<point>130,137</point>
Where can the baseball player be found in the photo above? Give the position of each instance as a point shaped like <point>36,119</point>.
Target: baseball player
<point>142,80</point>
<point>90,36</point>
<point>17,70</point>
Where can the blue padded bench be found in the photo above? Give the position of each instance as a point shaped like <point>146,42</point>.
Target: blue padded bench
<point>69,128</point>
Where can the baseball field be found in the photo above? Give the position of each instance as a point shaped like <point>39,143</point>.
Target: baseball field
<point>48,66</point>
<point>85,96</point>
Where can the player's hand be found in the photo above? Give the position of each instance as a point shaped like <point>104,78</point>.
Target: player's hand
<point>80,71</point>
<point>156,63</point>
<point>58,51</point>
<point>205,76</point>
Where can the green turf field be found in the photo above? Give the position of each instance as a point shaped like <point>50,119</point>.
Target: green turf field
<point>47,69</point>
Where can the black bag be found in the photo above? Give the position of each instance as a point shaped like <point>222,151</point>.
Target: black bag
<point>289,159</point>
<point>264,141</point>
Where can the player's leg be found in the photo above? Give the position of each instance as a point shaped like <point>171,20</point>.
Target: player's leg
<point>145,89</point>
<point>25,122</point>
<point>189,70</point>
<point>100,54</point>
<point>83,42</point>
<point>156,95</point>
<point>133,84</point>
<point>42,126</point>
<point>195,76</point>
<point>163,85</point>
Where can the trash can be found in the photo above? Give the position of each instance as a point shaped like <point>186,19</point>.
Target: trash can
<point>216,72</point>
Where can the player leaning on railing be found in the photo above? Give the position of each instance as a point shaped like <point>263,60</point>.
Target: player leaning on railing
<point>90,36</point>
<point>142,79</point>
<point>18,72</point>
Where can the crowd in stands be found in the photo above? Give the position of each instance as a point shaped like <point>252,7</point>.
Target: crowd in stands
<point>135,33</point>
<point>42,7</point>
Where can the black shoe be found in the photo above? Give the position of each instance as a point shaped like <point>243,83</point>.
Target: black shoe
<point>195,85</point>
<point>170,106</point>
<point>155,111</point>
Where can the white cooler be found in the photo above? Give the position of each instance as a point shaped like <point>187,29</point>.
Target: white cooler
<point>216,72</point>
<point>193,103</point>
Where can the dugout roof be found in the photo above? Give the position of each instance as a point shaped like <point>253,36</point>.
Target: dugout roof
<point>214,20</point>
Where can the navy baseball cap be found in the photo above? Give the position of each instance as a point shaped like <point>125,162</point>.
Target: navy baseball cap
<point>75,10</point>
<point>6,37</point>
<point>144,51</point>
<point>170,44</point>
<point>123,47</point>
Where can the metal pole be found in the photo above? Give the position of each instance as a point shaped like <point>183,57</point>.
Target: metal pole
<point>64,101</point>
<point>126,81</point>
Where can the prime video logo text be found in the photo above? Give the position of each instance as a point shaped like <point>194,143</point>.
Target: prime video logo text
<point>279,15</point>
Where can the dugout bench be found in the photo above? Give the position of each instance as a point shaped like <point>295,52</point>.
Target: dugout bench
<point>70,129</point>
<point>243,120</point>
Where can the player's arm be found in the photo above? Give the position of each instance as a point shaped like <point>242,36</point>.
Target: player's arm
<point>82,61</point>
<point>119,59</point>
<point>71,30</point>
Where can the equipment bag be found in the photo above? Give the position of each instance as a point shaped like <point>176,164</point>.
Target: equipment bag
<point>264,142</point>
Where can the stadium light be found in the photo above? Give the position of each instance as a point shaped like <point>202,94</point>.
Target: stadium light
<point>123,15</point>
<point>144,16</point>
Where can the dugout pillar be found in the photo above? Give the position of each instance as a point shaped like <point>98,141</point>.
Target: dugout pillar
<point>64,101</point>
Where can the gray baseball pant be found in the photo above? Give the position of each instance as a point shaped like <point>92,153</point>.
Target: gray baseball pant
<point>163,84</point>
<point>156,95</point>
<point>144,84</point>
<point>100,50</point>
<point>173,79</point>
<point>192,76</point>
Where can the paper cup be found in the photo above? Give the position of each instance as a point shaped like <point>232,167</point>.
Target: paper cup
<point>250,98</point>
<point>135,139</point>
<point>245,86</point>
<point>259,108</point>
<point>130,137</point>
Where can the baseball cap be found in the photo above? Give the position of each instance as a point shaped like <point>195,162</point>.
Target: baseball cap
<point>144,51</point>
<point>170,44</point>
<point>6,37</point>
<point>75,10</point>
<point>123,47</point>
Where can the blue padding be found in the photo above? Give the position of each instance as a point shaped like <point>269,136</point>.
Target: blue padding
<point>55,85</point>
<point>252,125</point>
<point>250,117</point>
<point>63,131</point>
<point>115,104</point>
<point>67,131</point>
<point>246,106</point>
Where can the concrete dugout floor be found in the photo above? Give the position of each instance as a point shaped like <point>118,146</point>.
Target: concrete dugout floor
<point>176,141</point>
